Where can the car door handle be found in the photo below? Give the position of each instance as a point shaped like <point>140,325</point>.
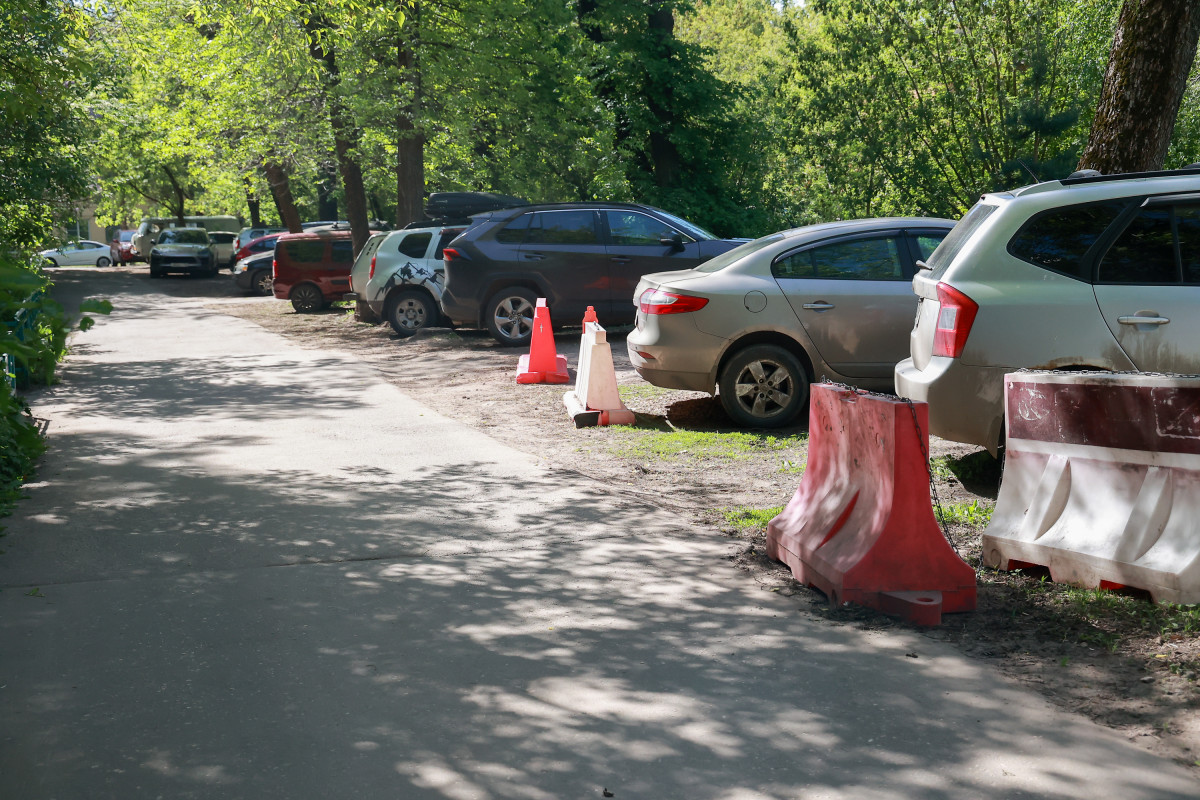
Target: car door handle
<point>533,257</point>
<point>621,259</point>
<point>1136,320</point>
<point>818,306</point>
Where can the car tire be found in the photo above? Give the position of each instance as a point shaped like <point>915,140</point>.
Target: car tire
<point>156,272</point>
<point>50,262</point>
<point>307,298</point>
<point>262,283</point>
<point>103,261</point>
<point>409,311</point>
<point>508,316</point>
<point>763,386</point>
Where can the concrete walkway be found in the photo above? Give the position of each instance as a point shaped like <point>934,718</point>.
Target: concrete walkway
<point>252,570</point>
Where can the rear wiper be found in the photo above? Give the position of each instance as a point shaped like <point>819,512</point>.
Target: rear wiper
<point>922,265</point>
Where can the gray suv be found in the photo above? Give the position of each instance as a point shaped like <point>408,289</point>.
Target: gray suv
<point>1090,272</point>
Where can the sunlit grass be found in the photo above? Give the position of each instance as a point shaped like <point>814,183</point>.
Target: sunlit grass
<point>700,444</point>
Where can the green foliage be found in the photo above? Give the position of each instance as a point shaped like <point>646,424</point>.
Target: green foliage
<point>699,444</point>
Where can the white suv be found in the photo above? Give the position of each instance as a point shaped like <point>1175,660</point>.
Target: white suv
<point>400,276</point>
<point>1090,272</point>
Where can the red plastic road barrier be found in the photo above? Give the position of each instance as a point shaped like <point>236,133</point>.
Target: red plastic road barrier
<point>860,527</point>
<point>543,364</point>
<point>589,316</point>
<point>1101,481</point>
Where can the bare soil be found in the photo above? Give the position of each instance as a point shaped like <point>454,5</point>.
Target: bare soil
<point>1113,660</point>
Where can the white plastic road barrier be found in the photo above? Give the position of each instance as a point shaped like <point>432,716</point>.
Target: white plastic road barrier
<point>595,399</point>
<point>1102,481</point>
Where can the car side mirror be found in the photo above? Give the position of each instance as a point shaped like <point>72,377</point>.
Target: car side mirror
<point>674,242</point>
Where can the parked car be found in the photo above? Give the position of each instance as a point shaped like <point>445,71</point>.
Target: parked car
<point>223,246</point>
<point>84,252</point>
<point>186,250</point>
<point>263,244</point>
<point>253,274</point>
<point>574,254</point>
<point>312,269</point>
<point>120,250</point>
<point>758,324</point>
<point>247,235</point>
<point>1090,272</point>
<point>400,276</point>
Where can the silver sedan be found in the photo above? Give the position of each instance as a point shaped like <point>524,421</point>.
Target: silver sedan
<point>759,323</point>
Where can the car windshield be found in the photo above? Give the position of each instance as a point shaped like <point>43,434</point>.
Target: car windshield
<point>736,254</point>
<point>183,236</point>
<point>695,231</point>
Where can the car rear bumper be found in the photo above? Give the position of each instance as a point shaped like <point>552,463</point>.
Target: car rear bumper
<point>966,403</point>
<point>674,354</point>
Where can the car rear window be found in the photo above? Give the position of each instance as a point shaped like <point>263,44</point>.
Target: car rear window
<point>1059,240</point>
<point>738,253</point>
<point>415,244</point>
<point>448,235</point>
<point>945,252</point>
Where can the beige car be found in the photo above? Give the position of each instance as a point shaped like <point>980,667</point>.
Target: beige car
<point>1090,272</point>
<point>758,323</point>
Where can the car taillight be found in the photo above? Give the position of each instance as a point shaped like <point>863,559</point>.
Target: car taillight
<point>371,274</point>
<point>450,254</point>
<point>954,321</point>
<point>656,301</point>
<point>274,268</point>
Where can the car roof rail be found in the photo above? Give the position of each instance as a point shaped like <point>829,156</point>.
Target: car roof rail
<point>1087,176</point>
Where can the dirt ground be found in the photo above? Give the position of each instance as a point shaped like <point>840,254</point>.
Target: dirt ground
<point>1110,664</point>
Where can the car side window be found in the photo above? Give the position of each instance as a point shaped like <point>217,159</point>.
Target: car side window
<point>305,252</point>
<point>514,232</point>
<point>632,228</point>
<point>1187,226</point>
<point>875,259</point>
<point>1060,239</point>
<point>927,243</point>
<point>794,265</point>
<point>341,251</point>
<point>563,227</point>
<point>445,239</point>
<point>414,245</point>
<point>1144,252</point>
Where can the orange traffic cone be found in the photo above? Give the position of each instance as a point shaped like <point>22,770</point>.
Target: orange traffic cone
<point>543,364</point>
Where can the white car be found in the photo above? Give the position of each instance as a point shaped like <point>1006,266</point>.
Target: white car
<point>85,252</point>
<point>222,242</point>
<point>400,276</point>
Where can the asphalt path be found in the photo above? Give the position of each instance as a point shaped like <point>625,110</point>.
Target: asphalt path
<point>248,569</point>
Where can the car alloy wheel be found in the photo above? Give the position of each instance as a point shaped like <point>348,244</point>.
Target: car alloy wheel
<point>509,316</point>
<point>262,283</point>
<point>103,261</point>
<point>306,298</point>
<point>408,312</point>
<point>763,386</point>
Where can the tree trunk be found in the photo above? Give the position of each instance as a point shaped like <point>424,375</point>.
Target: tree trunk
<point>281,192</point>
<point>660,101</point>
<point>327,205</point>
<point>410,142</point>
<point>179,196</point>
<point>1152,53</point>
<point>253,203</point>
<point>345,135</point>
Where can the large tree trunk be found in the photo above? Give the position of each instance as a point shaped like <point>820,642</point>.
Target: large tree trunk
<point>281,193</point>
<point>253,203</point>
<point>410,141</point>
<point>345,135</point>
<point>660,100</point>
<point>1152,53</point>
<point>179,196</point>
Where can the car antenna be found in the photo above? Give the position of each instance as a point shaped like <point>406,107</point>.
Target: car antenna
<point>1036,179</point>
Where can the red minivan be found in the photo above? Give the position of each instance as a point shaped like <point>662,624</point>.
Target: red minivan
<point>312,269</point>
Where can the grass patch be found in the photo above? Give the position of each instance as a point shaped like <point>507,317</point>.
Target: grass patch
<point>748,519</point>
<point>701,444</point>
<point>630,391</point>
<point>974,513</point>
